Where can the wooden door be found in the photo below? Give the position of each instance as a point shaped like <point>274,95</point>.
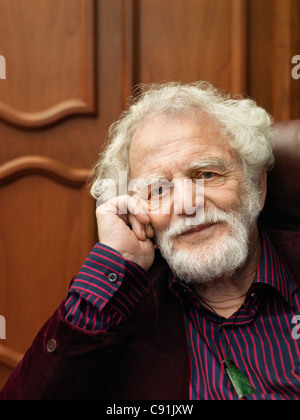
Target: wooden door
<point>63,88</point>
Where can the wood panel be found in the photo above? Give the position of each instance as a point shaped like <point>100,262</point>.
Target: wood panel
<point>46,229</point>
<point>260,52</point>
<point>28,165</point>
<point>68,60</point>
<point>63,90</point>
<point>193,40</point>
<point>282,55</point>
<point>76,139</point>
<point>274,38</point>
<point>50,219</point>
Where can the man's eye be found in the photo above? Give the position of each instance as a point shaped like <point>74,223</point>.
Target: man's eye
<point>158,191</point>
<point>208,175</point>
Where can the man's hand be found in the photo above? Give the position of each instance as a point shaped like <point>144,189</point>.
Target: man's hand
<point>124,225</point>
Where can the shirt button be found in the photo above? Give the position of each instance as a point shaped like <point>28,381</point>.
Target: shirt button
<point>112,277</point>
<point>51,345</point>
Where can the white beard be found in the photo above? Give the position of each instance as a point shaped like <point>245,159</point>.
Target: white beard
<point>207,262</point>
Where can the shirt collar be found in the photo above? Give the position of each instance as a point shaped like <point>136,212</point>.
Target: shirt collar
<point>271,272</point>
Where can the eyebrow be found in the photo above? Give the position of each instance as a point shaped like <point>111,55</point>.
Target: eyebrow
<point>212,162</point>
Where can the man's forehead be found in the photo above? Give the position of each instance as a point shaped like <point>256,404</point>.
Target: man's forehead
<point>152,124</point>
<point>162,143</point>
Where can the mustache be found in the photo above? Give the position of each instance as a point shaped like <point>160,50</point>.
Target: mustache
<point>211,216</point>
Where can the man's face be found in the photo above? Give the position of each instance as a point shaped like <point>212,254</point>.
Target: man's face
<point>188,148</point>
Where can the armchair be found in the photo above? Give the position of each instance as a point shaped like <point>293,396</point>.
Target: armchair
<point>282,207</point>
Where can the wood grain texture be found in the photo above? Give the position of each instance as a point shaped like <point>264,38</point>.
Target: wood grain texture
<point>239,47</point>
<point>45,117</point>
<point>129,36</point>
<point>52,75</point>
<point>47,224</point>
<point>33,165</point>
<point>9,357</point>
<point>186,41</point>
<point>273,39</point>
<point>47,229</point>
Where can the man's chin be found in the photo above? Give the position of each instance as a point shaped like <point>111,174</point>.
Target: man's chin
<point>203,263</point>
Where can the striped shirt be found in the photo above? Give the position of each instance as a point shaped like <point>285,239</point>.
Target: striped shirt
<point>265,342</point>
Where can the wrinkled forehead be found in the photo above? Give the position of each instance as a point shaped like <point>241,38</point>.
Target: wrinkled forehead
<point>162,143</point>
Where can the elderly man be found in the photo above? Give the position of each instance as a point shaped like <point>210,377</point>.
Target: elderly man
<point>184,296</point>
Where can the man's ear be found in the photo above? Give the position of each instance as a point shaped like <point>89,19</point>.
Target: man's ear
<point>263,187</point>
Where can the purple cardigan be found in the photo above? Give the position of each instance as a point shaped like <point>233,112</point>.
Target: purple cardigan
<point>146,358</point>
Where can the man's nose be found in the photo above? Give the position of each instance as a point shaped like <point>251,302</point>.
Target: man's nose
<point>188,196</point>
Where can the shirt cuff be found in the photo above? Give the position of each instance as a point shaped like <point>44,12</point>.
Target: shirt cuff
<point>106,291</point>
